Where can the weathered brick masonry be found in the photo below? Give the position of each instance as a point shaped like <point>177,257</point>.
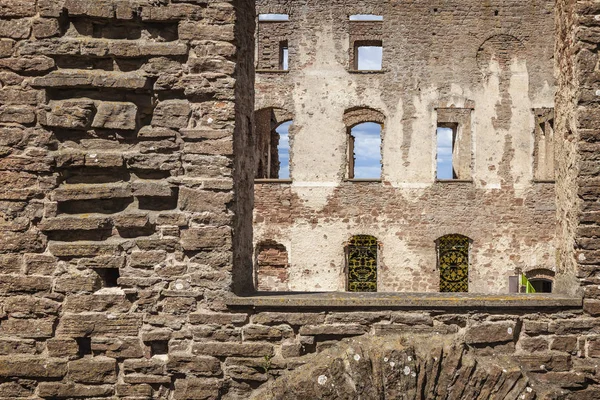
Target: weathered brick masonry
<point>126,228</point>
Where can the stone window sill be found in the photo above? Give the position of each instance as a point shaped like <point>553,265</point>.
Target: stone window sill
<point>272,71</point>
<point>454,181</point>
<point>461,301</point>
<point>367,72</point>
<point>267,181</point>
<point>363,180</point>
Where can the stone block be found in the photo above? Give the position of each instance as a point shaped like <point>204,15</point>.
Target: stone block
<point>97,302</point>
<point>69,114</point>
<point>103,160</point>
<point>91,79</point>
<point>149,132</point>
<point>222,319</point>
<point>6,47</point>
<point>592,306</point>
<point>147,258</point>
<point>10,284</point>
<point>82,249</point>
<point>115,115</point>
<point>171,114</point>
<point>57,390</point>
<point>152,189</point>
<point>141,391</point>
<point>77,282</point>
<point>121,347</point>
<point>17,114</point>
<point>567,344</point>
<point>223,147</point>
<point>172,12</point>
<point>14,346</point>
<point>83,223</point>
<point>193,30</point>
<point>154,162</point>
<point>193,200</point>
<point>30,306</point>
<point>93,370</point>
<point>62,347</point>
<point>267,333</point>
<point>294,319</point>
<point>15,28</point>
<point>333,330</point>
<point>193,365</point>
<point>534,344</point>
<point>195,239</point>
<point>45,27</point>
<point>109,325</point>
<point>218,349</point>
<point>364,317</point>
<point>197,389</point>
<point>490,333</point>
<point>32,366</point>
<point>101,262</point>
<point>541,362</point>
<point>39,264</point>
<point>27,64</point>
<point>10,264</point>
<point>17,8</point>
<point>92,192</point>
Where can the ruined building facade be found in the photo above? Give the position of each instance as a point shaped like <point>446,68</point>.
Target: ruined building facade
<point>486,70</point>
<point>130,141</point>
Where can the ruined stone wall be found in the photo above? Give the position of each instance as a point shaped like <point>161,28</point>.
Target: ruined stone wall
<point>490,64</point>
<point>577,109</point>
<point>119,120</point>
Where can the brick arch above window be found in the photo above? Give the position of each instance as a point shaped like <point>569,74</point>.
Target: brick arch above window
<point>358,115</point>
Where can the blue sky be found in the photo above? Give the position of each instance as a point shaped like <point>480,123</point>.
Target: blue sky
<point>284,149</point>
<point>273,17</point>
<point>444,153</point>
<point>367,151</point>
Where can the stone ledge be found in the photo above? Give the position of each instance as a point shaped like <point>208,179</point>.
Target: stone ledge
<point>336,300</point>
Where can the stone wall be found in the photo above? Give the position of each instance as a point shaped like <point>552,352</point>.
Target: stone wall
<point>119,122</point>
<point>487,67</point>
<point>126,206</point>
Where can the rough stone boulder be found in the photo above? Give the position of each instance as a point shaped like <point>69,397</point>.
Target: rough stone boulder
<point>405,368</point>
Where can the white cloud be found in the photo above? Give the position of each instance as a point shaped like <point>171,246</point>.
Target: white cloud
<point>370,58</point>
<point>273,17</point>
<point>444,153</point>
<point>283,150</point>
<point>367,150</point>
<point>366,17</point>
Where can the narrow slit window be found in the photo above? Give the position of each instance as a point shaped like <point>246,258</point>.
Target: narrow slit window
<point>446,151</point>
<point>283,150</point>
<point>273,17</point>
<point>368,56</point>
<point>366,17</point>
<point>284,55</point>
<point>544,162</point>
<point>364,151</point>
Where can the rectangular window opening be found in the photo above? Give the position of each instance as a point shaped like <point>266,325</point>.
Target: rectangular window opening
<point>446,151</point>
<point>284,55</point>
<point>368,56</point>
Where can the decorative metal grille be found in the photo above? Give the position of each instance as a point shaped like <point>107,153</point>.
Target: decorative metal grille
<point>453,253</point>
<point>362,264</point>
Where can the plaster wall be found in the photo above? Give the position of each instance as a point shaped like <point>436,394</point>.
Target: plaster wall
<point>495,56</point>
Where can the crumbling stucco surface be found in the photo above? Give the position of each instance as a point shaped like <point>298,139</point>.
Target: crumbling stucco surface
<point>493,61</point>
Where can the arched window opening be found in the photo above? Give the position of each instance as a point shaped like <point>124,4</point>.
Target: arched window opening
<point>362,259</point>
<point>271,267</point>
<point>453,263</point>
<point>364,151</point>
<point>273,144</point>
